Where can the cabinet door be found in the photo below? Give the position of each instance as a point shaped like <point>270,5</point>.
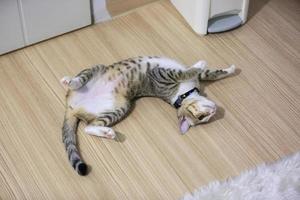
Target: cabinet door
<point>11,35</point>
<point>47,18</point>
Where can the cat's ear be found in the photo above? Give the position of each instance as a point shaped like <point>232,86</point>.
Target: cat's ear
<point>184,124</point>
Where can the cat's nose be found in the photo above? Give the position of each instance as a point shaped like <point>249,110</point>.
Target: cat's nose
<point>215,108</point>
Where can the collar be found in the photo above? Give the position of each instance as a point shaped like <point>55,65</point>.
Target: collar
<point>180,98</point>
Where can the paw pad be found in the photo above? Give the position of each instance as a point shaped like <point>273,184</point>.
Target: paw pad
<point>66,80</point>
<point>110,134</point>
<point>72,83</point>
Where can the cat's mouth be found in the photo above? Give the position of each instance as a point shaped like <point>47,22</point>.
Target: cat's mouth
<point>201,117</point>
<point>205,116</point>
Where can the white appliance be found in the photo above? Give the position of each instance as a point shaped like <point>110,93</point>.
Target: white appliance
<point>213,16</point>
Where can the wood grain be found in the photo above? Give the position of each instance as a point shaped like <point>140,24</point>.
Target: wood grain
<point>257,120</point>
<point>118,7</point>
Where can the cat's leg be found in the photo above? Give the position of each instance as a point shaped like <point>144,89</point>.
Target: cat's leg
<point>82,78</point>
<point>188,74</point>
<point>192,72</point>
<point>215,74</point>
<point>175,75</point>
<point>101,125</point>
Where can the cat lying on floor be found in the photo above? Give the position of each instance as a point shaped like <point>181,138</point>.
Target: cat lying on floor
<point>103,95</point>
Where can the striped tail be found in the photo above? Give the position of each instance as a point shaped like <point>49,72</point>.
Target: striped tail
<point>69,139</point>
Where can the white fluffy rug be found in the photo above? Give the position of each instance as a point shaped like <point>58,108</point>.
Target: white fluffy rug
<point>278,181</point>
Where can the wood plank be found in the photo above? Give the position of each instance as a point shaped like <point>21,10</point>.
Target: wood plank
<point>117,7</point>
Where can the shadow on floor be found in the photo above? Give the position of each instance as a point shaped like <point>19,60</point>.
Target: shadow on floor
<point>255,6</point>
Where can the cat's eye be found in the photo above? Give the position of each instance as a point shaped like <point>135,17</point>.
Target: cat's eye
<point>202,117</point>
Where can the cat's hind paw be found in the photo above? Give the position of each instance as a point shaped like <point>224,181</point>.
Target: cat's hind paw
<point>65,81</point>
<point>71,83</point>
<point>231,69</point>
<point>100,131</point>
<point>110,134</point>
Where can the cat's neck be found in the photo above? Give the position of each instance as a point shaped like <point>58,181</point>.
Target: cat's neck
<point>183,88</point>
<point>193,95</point>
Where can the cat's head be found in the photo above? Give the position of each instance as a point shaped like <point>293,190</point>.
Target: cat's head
<point>195,111</point>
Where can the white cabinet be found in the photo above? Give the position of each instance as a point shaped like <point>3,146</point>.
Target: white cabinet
<point>23,22</point>
<point>47,18</point>
<point>11,34</point>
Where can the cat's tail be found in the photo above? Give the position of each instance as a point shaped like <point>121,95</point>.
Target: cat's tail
<point>69,139</point>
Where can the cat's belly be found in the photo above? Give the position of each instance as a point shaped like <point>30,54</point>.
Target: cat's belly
<point>95,97</point>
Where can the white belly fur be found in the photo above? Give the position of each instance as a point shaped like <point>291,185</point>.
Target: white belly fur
<point>95,97</point>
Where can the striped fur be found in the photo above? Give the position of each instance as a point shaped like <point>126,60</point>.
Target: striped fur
<point>69,139</point>
<point>102,95</point>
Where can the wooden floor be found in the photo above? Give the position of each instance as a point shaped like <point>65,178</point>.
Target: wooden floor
<point>258,118</point>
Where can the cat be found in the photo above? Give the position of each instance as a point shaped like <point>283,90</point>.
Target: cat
<point>103,95</point>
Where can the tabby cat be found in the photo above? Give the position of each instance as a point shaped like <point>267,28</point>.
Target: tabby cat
<point>103,95</point>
